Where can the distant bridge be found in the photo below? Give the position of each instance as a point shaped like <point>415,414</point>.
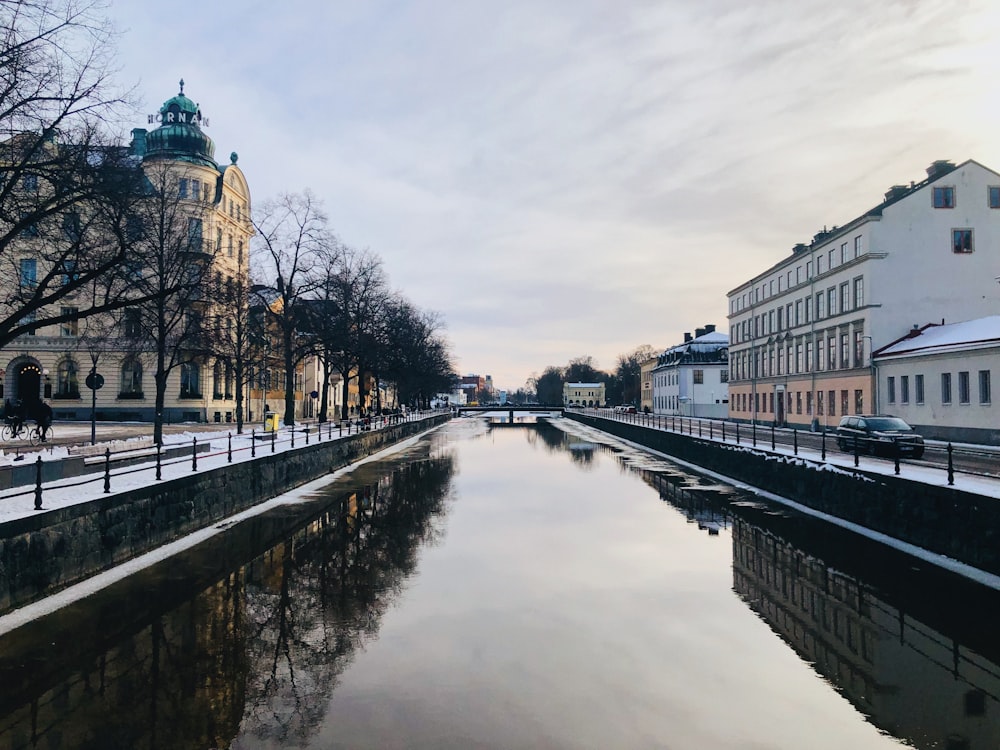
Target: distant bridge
<point>511,408</point>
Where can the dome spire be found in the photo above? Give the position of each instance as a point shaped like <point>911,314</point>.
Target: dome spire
<point>182,88</point>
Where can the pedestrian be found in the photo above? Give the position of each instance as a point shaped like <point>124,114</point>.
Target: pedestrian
<point>44,419</point>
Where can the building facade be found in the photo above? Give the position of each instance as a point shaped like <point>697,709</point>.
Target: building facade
<point>692,378</point>
<point>802,332</point>
<point>939,378</point>
<point>646,384</point>
<point>583,394</point>
<point>53,362</point>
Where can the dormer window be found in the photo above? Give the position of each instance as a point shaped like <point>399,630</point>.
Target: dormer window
<point>944,197</point>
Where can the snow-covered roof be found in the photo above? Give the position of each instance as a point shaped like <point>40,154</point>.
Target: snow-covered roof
<point>944,338</point>
<point>584,385</point>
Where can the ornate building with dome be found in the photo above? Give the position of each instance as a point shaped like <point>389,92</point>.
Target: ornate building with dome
<point>205,207</point>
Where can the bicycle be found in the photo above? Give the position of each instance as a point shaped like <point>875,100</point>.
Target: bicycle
<point>39,434</point>
<point>12,430</point>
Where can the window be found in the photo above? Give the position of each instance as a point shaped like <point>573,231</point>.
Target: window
<point>857,246</point>
<point>809,356</point>
<point>190,380</point>
<point>131,379</point>
<point>196,189</point>
<point>809,269</point>
<point>218,240</point>
<point>30,183</point>
<point>831,301</point>
<point>963,387</point>
<point>859,292</point>
<point>240,258</point>
<point>918,386</point>
<point>859,348</point>
<point>890,389</point>
<point>71,226</point>
<point>819,264</point>
<point>993,196</point>
<point>859,402</point>
<point>798,312</point>
<point>845,353</point>
<point>984,386</point>
<point>30,228</point>
<point>67,383</point>
<point>29,273</point>
<point>904,389</point>
<point>845,296</point>
<point>961,240</point>
<point>194,234</point>
<point>69,274</point>
<point>723,376</point>
<point>944,197</point>
<point>843,253</point>
<point>69,327</point>
<point>831,353</point>
<point>946,388</point>
<point>819,403</point>
<point>182,188</point>
<point>831,400</point>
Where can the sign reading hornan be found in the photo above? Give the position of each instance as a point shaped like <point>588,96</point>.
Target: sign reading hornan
<point>192,118</point>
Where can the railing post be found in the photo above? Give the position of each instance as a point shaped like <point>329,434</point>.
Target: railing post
<point>737,433</point>
<point>699,428</point>
<point>307,434</point>
<point>38,483</point>
<point>159,473</point>
<point>274,436</point>
<point>753,431</point>
<point>711,431</point>
<point>107,470</point>
<point>772,435</point>
<point>795,442</point>
<point>194,454</point>
<point>895,455</point>
<point>723,431</point>
<point>856,457</point>
<point>253,442</point>
<point>951,466</point>
<point>340,428</point>
<point>823,453</point>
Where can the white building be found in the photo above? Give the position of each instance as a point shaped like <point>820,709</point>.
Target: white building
<point>583,394</point>
<point>802,331</point>
<point>939,378</point>
<point>692,379</point>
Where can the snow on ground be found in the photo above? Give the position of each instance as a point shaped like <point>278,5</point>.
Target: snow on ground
<point>19,502</point>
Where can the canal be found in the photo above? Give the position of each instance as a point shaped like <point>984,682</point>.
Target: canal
<point>516,586</point>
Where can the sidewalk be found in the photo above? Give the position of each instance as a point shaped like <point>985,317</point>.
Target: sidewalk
<point>19,502</point>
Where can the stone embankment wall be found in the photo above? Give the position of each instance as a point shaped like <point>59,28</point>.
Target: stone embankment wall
<point>941,519</point>
<point>42,553</point>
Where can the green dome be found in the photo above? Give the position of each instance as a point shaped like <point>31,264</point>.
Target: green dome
<point>180,135</point>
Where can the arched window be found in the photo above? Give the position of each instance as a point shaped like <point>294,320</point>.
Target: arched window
<point>67,384</point>
<point>190,380</point>
<point>131,381</point>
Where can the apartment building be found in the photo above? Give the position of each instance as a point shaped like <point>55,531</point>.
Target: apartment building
<point>692,378</point>
<point>802,332</point>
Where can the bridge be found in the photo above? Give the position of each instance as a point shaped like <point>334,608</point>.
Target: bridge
<point>508,409</point>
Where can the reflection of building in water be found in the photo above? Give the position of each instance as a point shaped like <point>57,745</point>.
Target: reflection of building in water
<point>698,502</point>
<point>908,678</point>
<point>177,682</point>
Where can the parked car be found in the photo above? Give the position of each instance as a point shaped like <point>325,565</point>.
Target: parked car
<point>879,434</point>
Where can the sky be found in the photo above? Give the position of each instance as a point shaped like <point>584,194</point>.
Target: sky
<point>565,179</point>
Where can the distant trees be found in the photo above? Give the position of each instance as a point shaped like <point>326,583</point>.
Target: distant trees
<point>622,386</point>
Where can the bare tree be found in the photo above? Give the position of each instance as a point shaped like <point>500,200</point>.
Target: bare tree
<point>65,185</point>
<point>292,241</point>
<point>171,265</point>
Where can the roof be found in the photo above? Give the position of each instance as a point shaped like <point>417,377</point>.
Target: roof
<point>584,385</point>
<point>705,349</point>
<point>934,338</point>
<point>894,195</point>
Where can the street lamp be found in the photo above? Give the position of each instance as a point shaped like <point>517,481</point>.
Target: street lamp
<point>871,367</point>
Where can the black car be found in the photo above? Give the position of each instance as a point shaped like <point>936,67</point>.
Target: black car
<point>879,434</point>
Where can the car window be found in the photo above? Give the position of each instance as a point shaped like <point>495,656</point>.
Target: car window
<point>888,423</point>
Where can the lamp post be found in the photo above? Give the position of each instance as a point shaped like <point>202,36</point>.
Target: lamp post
<point>871,368</point>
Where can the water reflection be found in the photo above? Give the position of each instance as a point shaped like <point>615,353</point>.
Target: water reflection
<point>912,646</point>
<point>256,654</point>
<point>544,613</point>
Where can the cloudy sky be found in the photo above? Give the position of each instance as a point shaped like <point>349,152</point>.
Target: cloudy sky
<point>565,178</point>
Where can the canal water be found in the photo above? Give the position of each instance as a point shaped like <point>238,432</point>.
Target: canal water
<point>516,586</point>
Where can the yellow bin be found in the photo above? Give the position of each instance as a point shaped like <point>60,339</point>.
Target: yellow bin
<point>270,422</point>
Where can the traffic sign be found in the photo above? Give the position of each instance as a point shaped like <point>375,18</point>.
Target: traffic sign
<point>95,381</point>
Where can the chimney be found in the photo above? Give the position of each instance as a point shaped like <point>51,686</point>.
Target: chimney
<point>699,332</point>
<point>687,337</point>
<point>710,328</point>
<point>139,142</point>
<point>896,191</point>
<point>801,247</point>
<point>938,168</point>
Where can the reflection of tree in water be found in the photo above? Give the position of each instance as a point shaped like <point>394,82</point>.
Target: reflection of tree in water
<point>313,601</point>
